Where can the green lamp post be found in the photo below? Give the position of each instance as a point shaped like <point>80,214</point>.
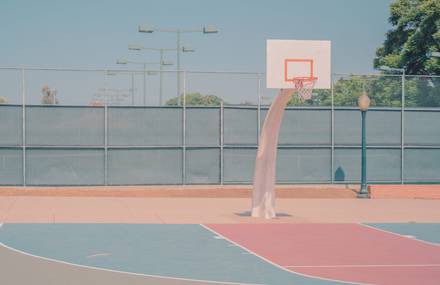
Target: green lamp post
<point>364,104</point>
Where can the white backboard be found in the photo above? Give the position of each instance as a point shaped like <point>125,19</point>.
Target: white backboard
<point>297,58</point>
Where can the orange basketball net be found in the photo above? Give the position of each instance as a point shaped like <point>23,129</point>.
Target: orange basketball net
<point>304,86</point>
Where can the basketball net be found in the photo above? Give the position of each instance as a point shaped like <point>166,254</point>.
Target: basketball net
<point>304,86</point>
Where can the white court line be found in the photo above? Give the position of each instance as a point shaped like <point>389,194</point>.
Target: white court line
<point>400,235</point>
<point>277,265</point>
<point>99,255</point>
<point>118,271</point>
<point>360,265</point>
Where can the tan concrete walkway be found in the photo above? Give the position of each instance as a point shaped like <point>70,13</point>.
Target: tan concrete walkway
<point>21,209</point>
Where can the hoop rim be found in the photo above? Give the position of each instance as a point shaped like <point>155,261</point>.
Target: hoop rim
<point>303,79</point>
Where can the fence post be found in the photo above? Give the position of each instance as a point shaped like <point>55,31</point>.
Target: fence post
<point>222,165</point>
<point>183,127</point>
<point>258,109</point>
<point>105,144</point>
<point>402,131</point>
<point>23,123</point>
<point>332,131</point>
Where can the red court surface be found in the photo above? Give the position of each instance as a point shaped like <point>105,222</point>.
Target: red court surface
<point>346,252</point>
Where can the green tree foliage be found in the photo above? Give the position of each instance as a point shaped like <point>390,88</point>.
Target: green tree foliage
<point>196,99</point>
<point>415,34</point>
<point>383,90</point>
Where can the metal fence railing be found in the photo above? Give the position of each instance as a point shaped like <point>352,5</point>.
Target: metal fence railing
<point>99,134</point>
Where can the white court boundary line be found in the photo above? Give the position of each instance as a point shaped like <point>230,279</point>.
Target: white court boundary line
<point>280,266</point>
<point>362,265</point>
<point>399,235</point>
<point>117,271</point>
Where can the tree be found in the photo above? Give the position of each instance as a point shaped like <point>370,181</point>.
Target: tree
<point>415,34</point>
<point>49,96</point>
<point>195,99</point>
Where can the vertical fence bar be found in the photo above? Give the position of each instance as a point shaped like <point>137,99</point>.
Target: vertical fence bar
<point>132,89</point>
<point>105,144</point>
<point>222,156</point>
<point>23,123</point>
<point>258,107</point>
<point>183,128</point>
<point>332,131</point>
<point>402,132</point>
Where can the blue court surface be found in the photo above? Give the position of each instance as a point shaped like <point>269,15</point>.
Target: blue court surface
<point>178,251</point>
<point>183,251</point>
<point>428,232</point>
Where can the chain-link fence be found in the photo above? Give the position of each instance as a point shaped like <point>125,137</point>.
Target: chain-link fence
<point>103,127</point>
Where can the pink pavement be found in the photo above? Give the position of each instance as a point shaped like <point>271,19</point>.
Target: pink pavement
<point>41,209</point>
<point>347,252</point>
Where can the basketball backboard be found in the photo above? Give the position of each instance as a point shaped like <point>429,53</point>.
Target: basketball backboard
<point>288,59</point>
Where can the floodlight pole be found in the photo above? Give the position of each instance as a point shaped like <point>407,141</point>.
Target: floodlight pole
<point>144,64</point>
<point>161,63</point>
<point>179,49</point>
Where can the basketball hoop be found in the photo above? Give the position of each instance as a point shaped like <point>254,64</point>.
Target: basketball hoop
<point>304,86</point>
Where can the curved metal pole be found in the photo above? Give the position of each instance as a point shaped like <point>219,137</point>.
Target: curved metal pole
<point>263,195</point>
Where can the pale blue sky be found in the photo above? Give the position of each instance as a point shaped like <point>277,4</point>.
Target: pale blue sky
<point>94,34</point>
<point>84,33</point>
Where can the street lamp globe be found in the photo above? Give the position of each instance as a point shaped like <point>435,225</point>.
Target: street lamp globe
<point>364,102</point>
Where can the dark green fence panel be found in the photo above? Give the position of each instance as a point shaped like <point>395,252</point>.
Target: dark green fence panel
<point>64,126</point>
<point>202,166</point>
<point>10,125</point>
<point>239,165</point>
<point>240,126</point>
<point>202,126</point>
<point>65,167</point>
<point>128,126</point>
<point>422,165</point>
<point>303,165</point>
<point>11,166</point>
<point>422,127</point>
<point>383,127</point>
<point>144,166</point>
<point>383,165</point>
<point>304,126</point>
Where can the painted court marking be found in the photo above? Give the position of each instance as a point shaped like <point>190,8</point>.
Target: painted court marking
<point>400,235</point>
<point>346,252</point>
<point>273,263</point>
<point>116,271</point>
<point>99,254</point>
<point>311,253</point>
<point>363,265</point>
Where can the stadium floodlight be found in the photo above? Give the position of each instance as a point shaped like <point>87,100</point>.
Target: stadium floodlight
<point>187,49</point>
<point>145,29</point>
<point>135,47</point>
<point>210,30</point>
<point>122,61</point>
